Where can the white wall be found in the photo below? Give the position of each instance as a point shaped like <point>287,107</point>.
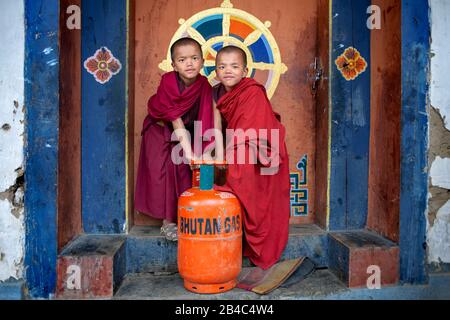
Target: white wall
<point>438,234</point>
<point>11,137</point>
<point>440,62</point>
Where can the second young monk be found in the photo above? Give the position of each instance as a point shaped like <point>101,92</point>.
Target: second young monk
<point>264,194</point>
<point>183,96</point>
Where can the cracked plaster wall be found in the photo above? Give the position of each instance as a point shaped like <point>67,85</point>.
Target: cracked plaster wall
<point>11,139</point>
<point>438,227</point>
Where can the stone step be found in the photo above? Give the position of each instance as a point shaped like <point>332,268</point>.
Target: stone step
<point>12,289</point>
<point>148,251</point>
<point>91,267</point>
<point>354,256</point>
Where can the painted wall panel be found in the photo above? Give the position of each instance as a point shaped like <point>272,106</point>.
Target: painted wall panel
<point>350,115</point>
<point>104,106</point>
<point>322,115</point>
<point>384,166</point>
<point>414,141</point>
<point>69,166</point>
<point>41,149</point>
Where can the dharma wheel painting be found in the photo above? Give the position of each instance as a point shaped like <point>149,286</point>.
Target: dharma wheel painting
<point>219,27</point>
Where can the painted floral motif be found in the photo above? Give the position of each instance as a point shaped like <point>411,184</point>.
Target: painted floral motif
<point>102,65</point>
<point>351,64</point>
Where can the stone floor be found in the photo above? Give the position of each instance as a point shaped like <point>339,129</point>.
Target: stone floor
<point>322,284</point>
<point>149,286</point>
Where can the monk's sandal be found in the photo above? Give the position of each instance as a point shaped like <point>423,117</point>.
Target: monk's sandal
<point>169,231</point>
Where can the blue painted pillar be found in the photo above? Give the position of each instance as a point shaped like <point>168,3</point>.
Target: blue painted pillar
<point>350,116</point>
<point>41,146</point>
<point>414,140</point>
<point>104,106</point>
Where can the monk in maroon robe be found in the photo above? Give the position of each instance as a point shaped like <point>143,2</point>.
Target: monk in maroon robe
<point>183,96</point>
<point>264,195</point>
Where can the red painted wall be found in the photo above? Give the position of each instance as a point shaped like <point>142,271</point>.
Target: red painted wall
<point>69,166</point>
<point>322,109</point>
<point>384,167</point>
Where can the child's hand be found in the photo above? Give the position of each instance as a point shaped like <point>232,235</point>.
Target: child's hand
<point>192,162</point>
<point>194,166</point>
<point>221,166</point>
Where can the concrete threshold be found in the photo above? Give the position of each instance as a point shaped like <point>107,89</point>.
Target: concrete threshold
<point>321,285</point>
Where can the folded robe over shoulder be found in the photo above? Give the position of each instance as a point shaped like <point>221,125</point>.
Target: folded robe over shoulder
<point>265,197</point>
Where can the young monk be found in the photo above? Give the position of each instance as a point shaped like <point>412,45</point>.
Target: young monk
<point>183,96</point>
<point>263,187</point>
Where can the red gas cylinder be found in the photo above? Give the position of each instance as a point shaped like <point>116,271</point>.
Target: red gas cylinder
<point>209,237</point>
<point>196,177</point>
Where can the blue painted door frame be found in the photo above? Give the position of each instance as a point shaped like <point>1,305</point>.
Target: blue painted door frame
<point>103,120</point>
<point>41,145</point>
<point>416,35</point>
<point>104,131</point>
<point>349,119</point>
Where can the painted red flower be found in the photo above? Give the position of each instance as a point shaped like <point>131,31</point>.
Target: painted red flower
<point>351,64</point>
<point>102,65</point>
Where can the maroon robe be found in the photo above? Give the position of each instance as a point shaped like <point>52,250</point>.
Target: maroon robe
<point>265,198</point>
<point>159,181</point>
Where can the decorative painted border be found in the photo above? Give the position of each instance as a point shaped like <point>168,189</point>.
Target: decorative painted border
<point>299,190</point>
<point>351,64</point>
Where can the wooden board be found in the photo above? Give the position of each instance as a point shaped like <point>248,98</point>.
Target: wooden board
<point>41,145</point>
<point>104,107</point>
<point>414,136</point>
<point>322,115</point>
<point>384,167</point>
<point>350,119</point>
<point>69,166</point>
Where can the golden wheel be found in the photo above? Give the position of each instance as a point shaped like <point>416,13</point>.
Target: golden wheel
<point>218,27</point>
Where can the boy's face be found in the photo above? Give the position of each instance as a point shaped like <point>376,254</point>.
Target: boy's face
<point>230,69</point>
<point>187,61</point>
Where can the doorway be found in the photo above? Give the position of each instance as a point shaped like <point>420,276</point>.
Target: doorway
<point>282,43</point>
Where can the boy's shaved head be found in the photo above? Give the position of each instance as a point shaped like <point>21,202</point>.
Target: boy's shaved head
<point>229,49</point>
<point>183,42</point>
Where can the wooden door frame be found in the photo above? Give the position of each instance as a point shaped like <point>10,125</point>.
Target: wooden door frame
<point>42,103</point>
